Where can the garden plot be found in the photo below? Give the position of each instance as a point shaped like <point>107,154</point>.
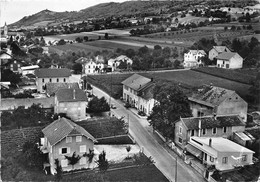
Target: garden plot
<point>117,153</point>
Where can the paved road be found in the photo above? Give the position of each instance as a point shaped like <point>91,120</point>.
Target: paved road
<point>144,136</point>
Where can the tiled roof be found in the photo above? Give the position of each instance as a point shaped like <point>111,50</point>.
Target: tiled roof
<point>211,95</point>
<point>136,82</point>
<point>194,52</point>
<point>11,104</point>
<point>82,60</point>
<point>148,90</point>
<point>52,72</point>
<point>71,95</point>
<point>226,55</point>
<point>52,88</point>
<point>62,128</point>
<point>192,123</point>
<point>221,48</point>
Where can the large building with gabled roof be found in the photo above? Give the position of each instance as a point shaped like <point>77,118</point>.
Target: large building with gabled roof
<point>51,75</point>
<point>212,100</point>
<point>72,102</point>
<point>62,138</point>
<point>229,60</point>
<point>137,90</point>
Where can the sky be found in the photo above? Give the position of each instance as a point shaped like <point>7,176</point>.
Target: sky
<point>14,10</point>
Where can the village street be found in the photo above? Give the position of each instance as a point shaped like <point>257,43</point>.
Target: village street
<point>152,145</point>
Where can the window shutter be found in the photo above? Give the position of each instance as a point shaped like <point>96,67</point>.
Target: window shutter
<point>68,150</point>
<point>59,150</point>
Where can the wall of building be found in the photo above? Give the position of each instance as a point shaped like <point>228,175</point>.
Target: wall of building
<point>236,62</point>
<point>74,147</point>
<point>146,105</point>
<point>40,82</point>
<point>196,108</point>
<point>75,110</point>
<point>212,54</point>
<point>183,135</point>
<point>233,105</point>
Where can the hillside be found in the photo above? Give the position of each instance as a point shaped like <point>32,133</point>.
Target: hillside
<point>101,10</point>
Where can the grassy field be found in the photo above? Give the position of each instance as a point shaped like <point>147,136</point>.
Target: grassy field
<point>187,78</point>
<point>110,45</point>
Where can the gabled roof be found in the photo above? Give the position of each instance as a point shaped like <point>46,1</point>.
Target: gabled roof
<point>220,49</point>
<point>211,96</point>
<point>195,52</point>
<point>82,60</point>
<point>71,95</point>
<point>61,128</point>
<point>192,123</point>
<point>52,72</point>
<point>52,88</point>
<point>147,89</point>
<point>136,82</point>
<point>226,55</point>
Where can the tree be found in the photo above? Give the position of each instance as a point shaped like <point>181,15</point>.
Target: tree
<point>77,68</point>
<point>106,36</point>
<point>31,155</point>
<point>61,42</point>
<point>122,65</point>
<point>119,126</point>
<point>98,105</point>
<point>172,104</point>
<point>102,162</point>
<point>141,159</point>
<point>85,38</point>
<point>79,39</point>
<point>74,159</point>
<point>157,47</point>
<point>8,75</point>
<point>58,168</point>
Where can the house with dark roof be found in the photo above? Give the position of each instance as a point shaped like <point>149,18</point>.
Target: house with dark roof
<point>51,75</point>
<point>137,90</point>
<point>229,60</point>
<point>216,50</point>
<point>207,126</point>
<point>73,102</point>
<point>211,100</point>
<point>62,138</point>
<point>52,88</point>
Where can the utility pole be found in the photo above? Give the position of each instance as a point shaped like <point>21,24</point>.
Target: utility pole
<point>176,169</point>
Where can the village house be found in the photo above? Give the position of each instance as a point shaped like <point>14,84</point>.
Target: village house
<point>193,58</point>
<point>137,90</point>
<point>14,65</point>
<point>114,63</point>
<point>229,60</point>
<point>62,138</point>
<point>48,75</point>
<point>5,57</point>
<point>72,102</point>
<point>207,126</point>
<point>216,50</point>
<point>90,66</point>
<point>221,153</point>
<point>53,88</point>
<point>212,100</point>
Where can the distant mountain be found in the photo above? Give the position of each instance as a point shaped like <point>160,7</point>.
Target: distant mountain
<point>101,10</point>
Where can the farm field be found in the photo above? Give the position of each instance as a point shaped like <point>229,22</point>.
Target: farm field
<point>113,44</point>
<point>187,78</point>
<point>75,47</point>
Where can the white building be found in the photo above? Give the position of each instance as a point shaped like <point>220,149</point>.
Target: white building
<point>137,90</point>
<point>216,50</point>
<point>91,66</point>
<point>229,60</point>
<point>28,69</point>
<point>193,58</point>
<point>221,152</point>
<point>114,63</point>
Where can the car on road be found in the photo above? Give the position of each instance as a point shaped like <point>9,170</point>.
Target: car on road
<point>112,106</point>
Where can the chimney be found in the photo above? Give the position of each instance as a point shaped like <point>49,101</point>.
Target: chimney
<point>74,91</point>
<point>140,86</point>
<point>199,127</point>
<point>210,142</point>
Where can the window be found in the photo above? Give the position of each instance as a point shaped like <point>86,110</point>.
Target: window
<point>211,159</point>
<point>78,138</point>
<point>180,130</point>
<point>192,133</point>
<point>82,148</point>
<point>50,79</point>
<point>64,150</point>
<point>57,79</point>
<point>68,139</point>
<point>43,80</point>
<point>214,130</point>
<point>204,131</point>
<point>224,129</point>
<point>180,140</point>
<point>88,66</point>
<point>64,80</point>
<point>244,158</point>
<point>224,160</point>
<point>64,163</point>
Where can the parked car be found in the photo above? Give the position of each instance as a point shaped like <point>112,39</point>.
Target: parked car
<point>127,105</point>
